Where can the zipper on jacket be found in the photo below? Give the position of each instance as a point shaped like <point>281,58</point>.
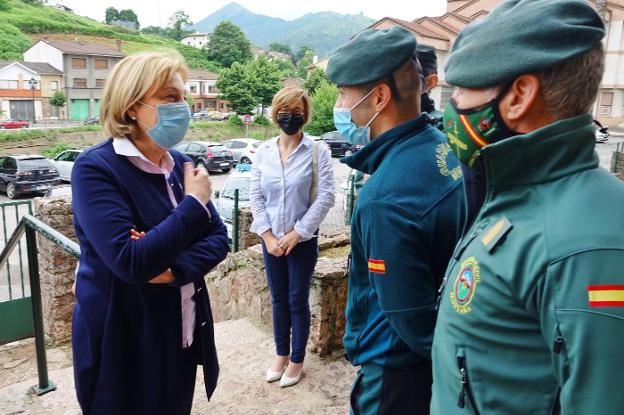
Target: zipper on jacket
<point>466,390</point>
<point>558,344</point>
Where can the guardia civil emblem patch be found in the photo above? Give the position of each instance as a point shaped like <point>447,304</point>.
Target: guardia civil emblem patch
<point>465,285</point>
<point>485,124</point>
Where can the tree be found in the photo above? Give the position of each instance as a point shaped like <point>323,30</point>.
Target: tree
<point>236,87</point>
<point>58,100</point>
<point>228,44</point>
<point>323,102</point>
<point>112,15</point>
<point>286,69</point>
<point>264,75</point>
<point>178,24</point>
<point>4,5</point>
<point>156,31</point>
<point>280,47</point>
<point>302,51</point>
<point>190,100</point>
<point>314,80</point>
<point>304,62</point>
<point>128,15</point>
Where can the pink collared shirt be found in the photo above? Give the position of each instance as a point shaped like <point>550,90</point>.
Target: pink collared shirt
<point>125,147</point>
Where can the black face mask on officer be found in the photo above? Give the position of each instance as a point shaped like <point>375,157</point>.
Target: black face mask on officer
<point>290,122</point>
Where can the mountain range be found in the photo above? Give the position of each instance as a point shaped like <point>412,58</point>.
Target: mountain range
<point>324,31</point>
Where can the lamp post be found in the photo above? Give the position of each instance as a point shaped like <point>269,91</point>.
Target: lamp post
<point>33,86</point>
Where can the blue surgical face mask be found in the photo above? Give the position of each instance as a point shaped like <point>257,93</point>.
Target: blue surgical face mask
<point>343,121</point>
<point>172,125</point>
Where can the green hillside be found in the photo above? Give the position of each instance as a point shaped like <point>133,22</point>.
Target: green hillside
<point>21,24</point>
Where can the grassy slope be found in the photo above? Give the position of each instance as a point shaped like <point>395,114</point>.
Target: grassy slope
<point>23,24</point>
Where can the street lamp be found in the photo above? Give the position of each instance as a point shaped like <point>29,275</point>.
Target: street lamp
<point>33,86</point>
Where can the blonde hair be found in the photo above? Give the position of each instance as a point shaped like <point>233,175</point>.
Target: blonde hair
<point>289,97</point>
<point>130,81</point>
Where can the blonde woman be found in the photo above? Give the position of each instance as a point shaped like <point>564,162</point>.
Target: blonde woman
<point>292,189</point>
<point>148,234</point>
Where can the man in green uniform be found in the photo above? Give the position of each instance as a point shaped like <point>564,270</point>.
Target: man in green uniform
<point>408,217</point>
<point>531,314</point>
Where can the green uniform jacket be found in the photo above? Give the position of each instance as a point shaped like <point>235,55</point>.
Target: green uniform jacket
<point>407,220</point>
<point>531,316</point>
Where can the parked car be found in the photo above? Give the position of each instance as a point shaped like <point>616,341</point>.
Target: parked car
<point>210,155</point>
<point>338,145</point>
<point>65,163</point>
<point>243,149</point>
<point>217,116</point>
<point>602,133</point>
<point>200,115</point>
<point>27,174</point>
<point>13,124</point>
<point>224,200</point>
<point>92,121</point>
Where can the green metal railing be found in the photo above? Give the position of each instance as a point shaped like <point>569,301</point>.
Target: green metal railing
<point>30,226</point>
<point>10,277</point>
<point>235,222</point>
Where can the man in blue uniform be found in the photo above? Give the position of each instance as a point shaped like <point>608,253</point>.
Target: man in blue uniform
<point>408,217</point>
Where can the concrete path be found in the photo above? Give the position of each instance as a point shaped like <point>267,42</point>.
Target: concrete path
<point>244,353</point>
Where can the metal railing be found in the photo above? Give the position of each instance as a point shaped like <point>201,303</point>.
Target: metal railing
<point>30,226</point>
<point>13,273</point>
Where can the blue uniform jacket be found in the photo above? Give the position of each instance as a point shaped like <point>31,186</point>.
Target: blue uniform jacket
<point>407,219</point>
<point>127,334</point>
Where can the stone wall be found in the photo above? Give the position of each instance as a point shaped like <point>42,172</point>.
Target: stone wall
<point>238,289</point>
<point>246,239</point>
<point>617,163</point>
<point>56,269</point>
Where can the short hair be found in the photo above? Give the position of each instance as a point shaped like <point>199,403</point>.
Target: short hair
<point>130,81</point>
<point>288,97</point>
<point>570,88</point>
<point>405,84</point>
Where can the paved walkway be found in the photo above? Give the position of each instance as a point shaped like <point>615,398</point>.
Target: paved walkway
<point>244,353</point>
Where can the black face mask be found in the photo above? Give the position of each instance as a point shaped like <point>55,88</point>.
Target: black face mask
<point>290,123</point>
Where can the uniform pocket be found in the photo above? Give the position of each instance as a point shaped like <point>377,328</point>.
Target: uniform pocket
<point>466,394</point>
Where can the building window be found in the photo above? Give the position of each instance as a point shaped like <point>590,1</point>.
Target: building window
<point>80,82</point>
<point>53,85</point>
<point>445,97</point>
<point>99,83</point>
<point>213,90</point>
<point>79,63</point>
<point>8,84</point>
<point>193,89</point>
<point>101,64</point>
<point>606,103</point>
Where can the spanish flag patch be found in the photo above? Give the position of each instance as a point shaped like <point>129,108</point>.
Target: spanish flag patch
<point>377,266</point>
<point>606,295</point>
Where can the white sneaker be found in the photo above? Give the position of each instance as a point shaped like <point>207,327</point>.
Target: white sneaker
<point>285,381</point>
<point>274,376</point>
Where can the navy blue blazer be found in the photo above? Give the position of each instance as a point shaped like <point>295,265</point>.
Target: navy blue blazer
<point>127,334</point>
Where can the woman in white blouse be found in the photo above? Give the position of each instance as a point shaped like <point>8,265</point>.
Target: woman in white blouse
<point>292,189</point>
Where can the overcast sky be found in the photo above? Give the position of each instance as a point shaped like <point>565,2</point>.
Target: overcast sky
<point>157,12</point>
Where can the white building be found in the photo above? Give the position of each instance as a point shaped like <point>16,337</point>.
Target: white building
<point>197,40</point>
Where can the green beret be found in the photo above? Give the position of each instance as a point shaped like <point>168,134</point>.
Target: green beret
<point>370,56</point>
<point>428,59</point>
<point>522,37</point>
